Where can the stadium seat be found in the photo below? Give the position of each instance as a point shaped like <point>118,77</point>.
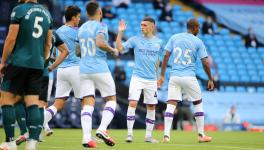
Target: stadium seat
<point>260,89</point>
<point>242,49</point>
<point>242,72</point>
<point>230,89</point>
<point>237,59</point>
<point>255,78</point>
<point>261,73</point>
<point>257,61</point>
<point>245,79</point>
<point>231,66</point>
<point>230,43</point>
<point>224,78</point>
<point>260,49</point>
<point>234,78</point>
<point>240,89</point>
<point>251,89</point>
<point>252,72</point>
<point>251,50</point>
<point>224,31</point>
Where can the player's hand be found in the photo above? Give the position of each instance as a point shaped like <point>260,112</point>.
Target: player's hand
<point>115,52</point>
<point>210,85</point>
<point>2,69</point>
<point>50,68</point>
<point>161,81</point>
<point>122,26</point>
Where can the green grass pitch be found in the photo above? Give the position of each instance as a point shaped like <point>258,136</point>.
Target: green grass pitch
<point>70,139</point>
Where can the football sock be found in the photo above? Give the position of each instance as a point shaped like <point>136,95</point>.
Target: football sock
<point>86,121</point>
<point>48,114</point>
<point>150,122</point>
<point>9,119</point>
<point>107,115</point>
<point>199,117</point>
<point>33,120</point>
<point>131,111</point>
<point>168,118</point>
<point>20,110</point>
<point>40,126</point>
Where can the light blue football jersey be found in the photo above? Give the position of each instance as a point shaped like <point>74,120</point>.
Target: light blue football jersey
<point>147,52</point>
<point>185,48</point>
<point>69,35</point>
<point>93,59</point>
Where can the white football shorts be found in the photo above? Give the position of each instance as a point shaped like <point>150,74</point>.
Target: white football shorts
<point>149,88</point>
<point>68,79</point>
<point>188,85</point>
<point>101,81</point>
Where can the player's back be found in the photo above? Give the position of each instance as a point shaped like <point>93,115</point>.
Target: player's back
<point>93,59</point>
<point>185,48</point>
<point>69,35</point>
<point>34,22</point>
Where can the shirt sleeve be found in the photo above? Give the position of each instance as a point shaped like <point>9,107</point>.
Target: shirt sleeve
<point>202,50</point>
<point>50,19</point>
<point>16,15</point>
<point>129,43</point>
<point>102,29</point>
<point>58,40</point>
<point>169,46</point>
<point>51,23</point>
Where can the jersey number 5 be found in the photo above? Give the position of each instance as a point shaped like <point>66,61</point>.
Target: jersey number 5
<point>178,52</point>
<point>38,28</point>
<point>88,47</point>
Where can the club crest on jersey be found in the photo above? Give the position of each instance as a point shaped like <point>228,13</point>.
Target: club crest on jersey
<point>13,14</point>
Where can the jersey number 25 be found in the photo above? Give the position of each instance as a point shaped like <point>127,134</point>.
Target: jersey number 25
<point>178,53</point>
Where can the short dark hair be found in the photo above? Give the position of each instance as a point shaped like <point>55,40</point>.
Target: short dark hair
<point>71,11</point>
<point>149,19</point>
<point>192,23</point>
<point>92,7</point>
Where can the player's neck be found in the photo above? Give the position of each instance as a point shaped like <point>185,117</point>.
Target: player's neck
<point>190,32</point>
<point>32,1</point>
<point>150,35</point>
<point>95,18</point>
<point>70,24</point>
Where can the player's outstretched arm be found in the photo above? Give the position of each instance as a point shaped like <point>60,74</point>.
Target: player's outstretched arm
<point>64,52</point>
<point>103,45</point>
<point>206,68</point>
<point>121,29</point>
<point>48,45</point>
<point>163,68</point>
